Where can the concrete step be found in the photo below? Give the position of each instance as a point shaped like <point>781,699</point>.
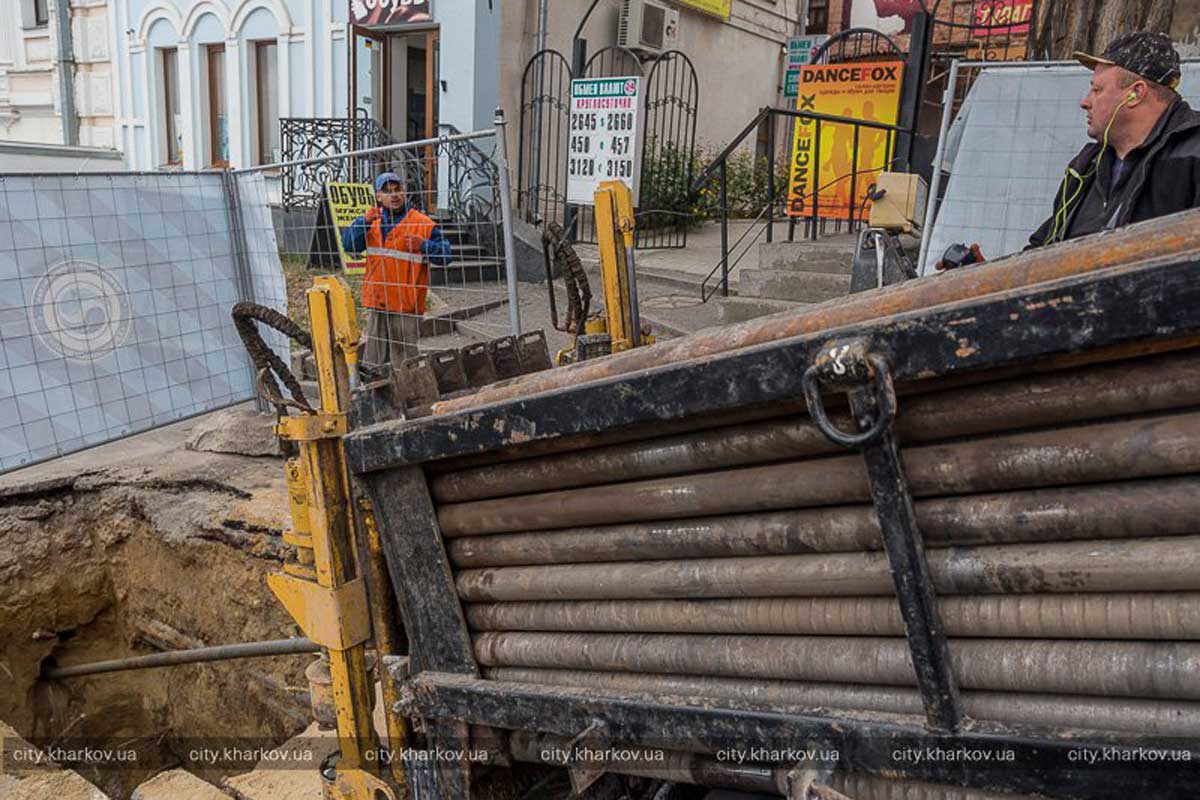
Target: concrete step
<point>740,309</point>
<point>178,784</point>
<point>460,271</point>
<point>807,256</point>
<point>784,284</point>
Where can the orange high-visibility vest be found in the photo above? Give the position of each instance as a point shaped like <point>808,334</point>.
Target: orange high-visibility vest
<point>397,276</point>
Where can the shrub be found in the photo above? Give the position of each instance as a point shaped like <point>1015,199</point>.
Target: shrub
<point>667,173</point>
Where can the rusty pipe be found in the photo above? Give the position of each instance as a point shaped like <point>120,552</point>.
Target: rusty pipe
<point>1134,448</point>
<point>1177,235</point>
<point>700,770</point>
<point>1148,615</point>
<point>197,655</point>
<point>645,762</point>
<point>1137,509</point>
<point>1152,670</point>
<point>1146,717</point>
<point>1168,565</point>
<point>1089,393</point>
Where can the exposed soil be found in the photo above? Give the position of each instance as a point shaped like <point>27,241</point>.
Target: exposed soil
<point>131,560</point>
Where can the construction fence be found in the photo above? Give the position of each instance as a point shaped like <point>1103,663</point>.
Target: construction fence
<point>1008,131</point>
<point>116,288</point>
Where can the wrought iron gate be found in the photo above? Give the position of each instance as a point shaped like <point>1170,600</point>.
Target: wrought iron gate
<point>542,148</point>
<point>672,99</point>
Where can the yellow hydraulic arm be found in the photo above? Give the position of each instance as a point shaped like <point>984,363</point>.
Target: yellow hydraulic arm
<point>322,590</point>
<point>614,235</point>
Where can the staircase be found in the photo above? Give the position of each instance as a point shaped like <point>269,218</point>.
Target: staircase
<point>476,248</point>
<point>791,275</point>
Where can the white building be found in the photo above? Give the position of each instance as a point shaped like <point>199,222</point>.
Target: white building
<point>44,63</point>
<point>203,84</point>
<point>195,84</point>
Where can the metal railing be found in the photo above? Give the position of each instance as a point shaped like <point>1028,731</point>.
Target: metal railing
<point>813,219</point>
<point>472,176</point>
<point>463,294</point>
<point>308,141</point>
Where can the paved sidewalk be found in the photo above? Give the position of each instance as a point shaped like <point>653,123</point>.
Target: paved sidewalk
<point>702,254</point>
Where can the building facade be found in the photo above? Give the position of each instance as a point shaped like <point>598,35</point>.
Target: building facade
<point>56,77</point>
<point>738,57</point>
<point>204,84</point>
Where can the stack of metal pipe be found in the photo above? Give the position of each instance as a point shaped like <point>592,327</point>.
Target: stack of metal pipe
<point>1061,517</point>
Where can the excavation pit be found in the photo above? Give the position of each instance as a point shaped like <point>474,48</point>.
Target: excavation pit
<point>133,549</point>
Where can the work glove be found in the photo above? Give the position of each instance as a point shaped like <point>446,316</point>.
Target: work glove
<point>373,213</point>
<point>960,255</point>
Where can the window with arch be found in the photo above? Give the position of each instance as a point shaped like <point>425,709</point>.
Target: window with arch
<point>266,106</point>
<point>218,107</point>
<point>172,122</point>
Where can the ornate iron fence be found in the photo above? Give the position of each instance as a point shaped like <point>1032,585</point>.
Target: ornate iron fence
<point>307,140</point>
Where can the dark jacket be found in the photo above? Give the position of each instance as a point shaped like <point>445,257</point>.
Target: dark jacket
<point>1165,178</point>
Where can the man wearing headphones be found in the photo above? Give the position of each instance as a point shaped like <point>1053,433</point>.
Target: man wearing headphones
<point>1145,160</point>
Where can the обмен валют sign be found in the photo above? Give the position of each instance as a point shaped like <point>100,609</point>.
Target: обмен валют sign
<point>605,141</point>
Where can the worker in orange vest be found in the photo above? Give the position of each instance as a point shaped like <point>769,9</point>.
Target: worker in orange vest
<point>400,243</point>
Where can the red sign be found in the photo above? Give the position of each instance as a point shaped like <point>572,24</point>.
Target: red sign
<point>372,13</point>
<point>1002,17</point>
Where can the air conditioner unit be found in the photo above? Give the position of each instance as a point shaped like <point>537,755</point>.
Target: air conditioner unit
<point>647,27</point>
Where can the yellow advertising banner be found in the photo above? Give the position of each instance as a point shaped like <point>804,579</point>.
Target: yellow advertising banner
<point>834,177</point>
<point>718,8</point>
<point>348,202</point>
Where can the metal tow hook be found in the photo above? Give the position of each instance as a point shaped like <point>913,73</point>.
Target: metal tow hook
<point>850,365</point>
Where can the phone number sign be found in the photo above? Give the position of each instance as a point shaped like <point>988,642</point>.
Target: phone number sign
<point>605,136</point>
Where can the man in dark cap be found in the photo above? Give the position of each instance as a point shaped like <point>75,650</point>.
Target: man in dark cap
<point>1145,160</point>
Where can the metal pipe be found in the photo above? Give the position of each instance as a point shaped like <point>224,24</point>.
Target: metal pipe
<point>1128,449</point>
<point>1177,235</point>
<point>935,179</point>
<point>861,786</point>
<point>1145,717</point>
<point>700,770</point>
<point>1149,615</point>
<point>1087,393</point>
<point>199,655</point>
<point>65,72</point>
<point>1166,565</point>
<point>1152,670</point>
<point>1138,509</point>
<point>635,314</point>
<point>510,251</point>
<point>645,762</point>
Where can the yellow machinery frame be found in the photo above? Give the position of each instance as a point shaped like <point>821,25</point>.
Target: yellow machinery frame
<point>614,235</point>
<point>323,589</point>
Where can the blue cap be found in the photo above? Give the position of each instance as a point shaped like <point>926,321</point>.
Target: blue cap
<point>388,177</point>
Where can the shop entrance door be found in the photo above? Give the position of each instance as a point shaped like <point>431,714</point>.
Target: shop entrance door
<point>413,90</point>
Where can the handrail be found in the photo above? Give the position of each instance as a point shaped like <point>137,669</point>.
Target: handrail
<point>706,174</point>
<point>719,165</point>
<point>706,295</point>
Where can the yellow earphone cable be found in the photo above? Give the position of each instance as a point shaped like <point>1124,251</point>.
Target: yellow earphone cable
<point>1060,216</point>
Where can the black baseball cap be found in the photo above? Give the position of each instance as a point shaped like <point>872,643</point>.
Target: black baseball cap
<point>1147,55</point>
